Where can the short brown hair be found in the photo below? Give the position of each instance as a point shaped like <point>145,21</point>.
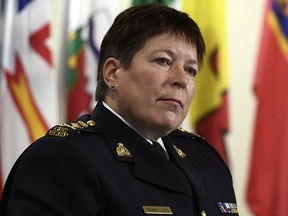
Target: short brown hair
<point>134,26</point>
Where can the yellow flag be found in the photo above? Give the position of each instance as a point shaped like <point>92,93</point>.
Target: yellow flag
<point>208,111</point>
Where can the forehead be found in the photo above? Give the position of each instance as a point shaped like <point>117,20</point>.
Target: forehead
<point>168,41</point>
<point>172,36</point>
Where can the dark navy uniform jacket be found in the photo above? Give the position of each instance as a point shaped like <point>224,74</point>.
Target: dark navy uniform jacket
<point>99,166</point>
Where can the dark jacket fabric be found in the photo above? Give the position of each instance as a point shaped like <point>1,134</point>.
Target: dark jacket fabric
<point>99,166</point>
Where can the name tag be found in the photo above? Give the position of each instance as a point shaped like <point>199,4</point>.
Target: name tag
<point>165,210</point>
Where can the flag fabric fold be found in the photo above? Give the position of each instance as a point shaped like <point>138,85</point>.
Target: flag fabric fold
<point>267,190</point>
<point>28,85</point>
<point>209,108</point>
<point>88,22</point>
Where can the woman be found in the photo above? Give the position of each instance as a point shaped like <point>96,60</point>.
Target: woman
<point>129,157</point>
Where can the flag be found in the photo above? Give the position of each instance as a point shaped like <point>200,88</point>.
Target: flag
<point>89,20</point>
<point>209,108</point>
<point>139,2</point>
<point>2,5</point>
<point>267,190</point>
<point>28,87</point>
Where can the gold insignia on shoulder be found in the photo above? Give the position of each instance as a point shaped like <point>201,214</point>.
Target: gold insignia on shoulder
<point>68,125</point>
<point>203,213</point>
<point>79,125</point>
<point>59,131</point>
<point>82,124</point>
<point>75,125</point>
<point>185,131</point>
<point>122,151</point>
<point>189,132</point>
<point>180,152</point>
<point>91,123</point>
<point>182,129</point>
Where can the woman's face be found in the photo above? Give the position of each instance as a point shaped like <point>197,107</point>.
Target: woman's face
<point>155,92</point>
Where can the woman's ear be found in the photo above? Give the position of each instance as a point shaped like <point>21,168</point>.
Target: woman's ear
<point>110,69</point>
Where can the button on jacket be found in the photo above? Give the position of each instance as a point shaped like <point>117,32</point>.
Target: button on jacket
<point>99,166</point>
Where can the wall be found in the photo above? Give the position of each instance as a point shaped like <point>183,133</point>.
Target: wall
<point>245,24</point>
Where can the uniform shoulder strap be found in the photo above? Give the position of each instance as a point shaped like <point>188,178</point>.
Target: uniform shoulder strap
<point>180,132</point>
<point>67,130</point>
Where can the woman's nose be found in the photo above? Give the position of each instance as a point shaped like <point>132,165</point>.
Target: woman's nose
<point>178,77</point>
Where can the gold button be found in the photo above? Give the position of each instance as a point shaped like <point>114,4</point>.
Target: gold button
<point>91,123</point>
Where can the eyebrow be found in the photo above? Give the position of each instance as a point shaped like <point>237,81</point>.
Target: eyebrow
<point>172,53</point>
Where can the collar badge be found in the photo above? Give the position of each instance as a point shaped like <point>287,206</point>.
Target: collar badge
<point>180,152</point>
<point>122,151</point>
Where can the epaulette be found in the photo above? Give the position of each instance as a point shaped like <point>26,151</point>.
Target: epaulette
<point>69,129</point>
<point>184,133</point>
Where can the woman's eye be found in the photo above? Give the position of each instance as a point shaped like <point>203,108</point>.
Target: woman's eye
<point>191,71</point>
<point>163,61</point>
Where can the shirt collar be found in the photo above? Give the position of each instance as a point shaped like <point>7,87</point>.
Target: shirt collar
<point>160,141</point>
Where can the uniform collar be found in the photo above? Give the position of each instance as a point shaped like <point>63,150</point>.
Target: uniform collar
<point>147,163</point>
<point>126,122</point>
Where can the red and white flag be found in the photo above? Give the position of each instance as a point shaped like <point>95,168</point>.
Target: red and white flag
<point>28,87</point>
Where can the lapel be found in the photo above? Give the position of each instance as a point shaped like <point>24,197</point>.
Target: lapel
<point>194,177</point>
<point>149,166</point>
